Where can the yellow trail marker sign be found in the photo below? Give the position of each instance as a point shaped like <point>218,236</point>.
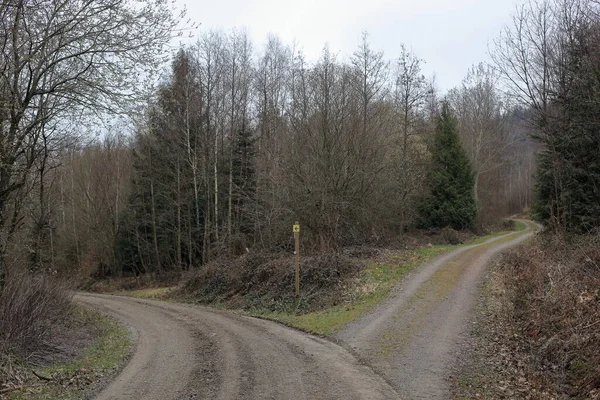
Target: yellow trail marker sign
<point>296,230</point>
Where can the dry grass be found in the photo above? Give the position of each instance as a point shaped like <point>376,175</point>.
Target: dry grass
<point>99,346</point>
<point>556,306</point>
<point>540,337</point>
<point>29,307</point>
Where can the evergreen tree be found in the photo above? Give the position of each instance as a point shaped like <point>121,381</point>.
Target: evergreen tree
<point>567,186</point>
<point>244,179</point>
<point>451,179</point>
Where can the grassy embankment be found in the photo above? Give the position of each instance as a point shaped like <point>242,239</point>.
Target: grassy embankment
<point>96,363</point>
<point>373,286</point>
<point>365,291</point>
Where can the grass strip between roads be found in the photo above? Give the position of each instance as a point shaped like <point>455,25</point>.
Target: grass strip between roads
<point>373,286</point>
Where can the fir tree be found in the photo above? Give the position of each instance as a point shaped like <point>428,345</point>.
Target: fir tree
<point>567,187</point>
<point>451,179</point>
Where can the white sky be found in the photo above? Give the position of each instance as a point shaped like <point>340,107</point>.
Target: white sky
<point>450,35</point>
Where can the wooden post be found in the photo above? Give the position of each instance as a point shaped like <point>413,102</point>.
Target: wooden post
<point>296,230</point>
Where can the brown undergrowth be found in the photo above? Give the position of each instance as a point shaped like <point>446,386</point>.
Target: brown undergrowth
<point>261,280</point>
<point>539,333</point>
<point>29,308</point>
<point>51,348</point>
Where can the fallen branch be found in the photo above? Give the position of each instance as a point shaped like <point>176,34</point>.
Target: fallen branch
<point>42,377</point>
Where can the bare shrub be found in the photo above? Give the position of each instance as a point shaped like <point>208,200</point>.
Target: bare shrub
<point>450,236</point>
<point>267,280</point>
<point>509,224</point>
<point>29,307</point>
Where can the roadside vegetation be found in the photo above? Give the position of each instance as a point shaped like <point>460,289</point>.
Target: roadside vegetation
<point>336,289</point>
<point>372,285</point>
<point>537,333</point>
<point>51,349</point>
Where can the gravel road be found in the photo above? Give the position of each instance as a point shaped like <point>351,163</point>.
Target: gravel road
<point>191,352</point>
<point>411,341</point>
<point>413,338</point>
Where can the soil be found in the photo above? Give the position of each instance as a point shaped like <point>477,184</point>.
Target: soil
<point>192,352</point>
<point>414,337</point>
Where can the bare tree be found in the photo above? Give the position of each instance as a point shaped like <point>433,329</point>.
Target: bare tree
<point>239,82</point>
<point>64,58</point>
<point>271,88</point>
<point>482,121</point>
<point>411,93</point>
<point>371,75</point>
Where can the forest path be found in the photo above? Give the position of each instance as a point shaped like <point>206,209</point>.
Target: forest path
<point>192,352</point>
<point>413,338</point>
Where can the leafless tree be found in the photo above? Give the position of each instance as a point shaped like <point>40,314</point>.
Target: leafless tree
<point>61,59</point>
<point>411,94</point>
<point>482,121</point>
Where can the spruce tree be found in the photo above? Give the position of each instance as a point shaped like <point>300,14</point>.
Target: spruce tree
<point>567,187</point>
<point>451,179</point>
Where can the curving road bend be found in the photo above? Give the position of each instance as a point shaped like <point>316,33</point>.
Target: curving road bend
<point>411,340</point>
<point>415,336</point>
<point>191,352</point>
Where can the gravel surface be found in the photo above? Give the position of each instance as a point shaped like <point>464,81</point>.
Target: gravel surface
<point>412,339</point>
<point>191,352</point>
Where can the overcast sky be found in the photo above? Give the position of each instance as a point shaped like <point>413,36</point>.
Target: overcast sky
<point>450,35</point>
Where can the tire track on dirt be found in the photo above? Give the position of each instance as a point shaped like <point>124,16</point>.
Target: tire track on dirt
<point>193,352</point>
<point>413,337</point>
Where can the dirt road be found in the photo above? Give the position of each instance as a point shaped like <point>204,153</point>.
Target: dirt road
<point>189,352</point>
<point>414,337</point>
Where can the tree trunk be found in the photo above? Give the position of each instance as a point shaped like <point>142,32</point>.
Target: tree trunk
<point>154,233</point>
<point>74,225</point>
<point>179,237</point>
<point>216,178</point>
<point>2,246</point>
<point>232,144</point>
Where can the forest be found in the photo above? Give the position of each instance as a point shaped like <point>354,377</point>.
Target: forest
<point>122,156</point>
<point>237,142</point>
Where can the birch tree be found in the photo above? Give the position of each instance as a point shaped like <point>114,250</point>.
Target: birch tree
<point>411,93</point>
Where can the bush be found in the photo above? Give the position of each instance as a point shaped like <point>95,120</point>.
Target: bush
<point>267,280</point>
<point>554,307</point>
<point>509,225</point>
<point>451,236</point>
<point>29,306</point>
